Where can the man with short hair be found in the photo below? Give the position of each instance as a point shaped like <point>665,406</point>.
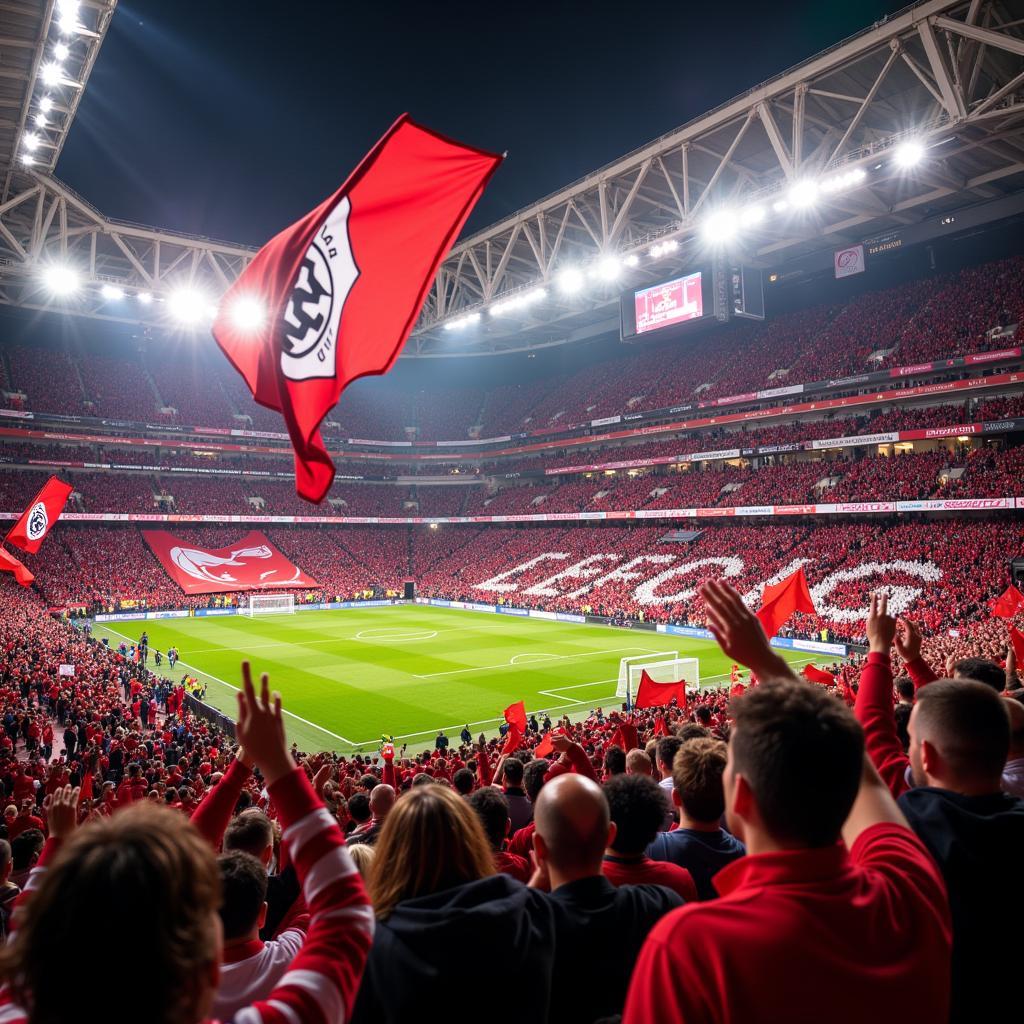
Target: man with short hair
<point>614,762</point>
<point>598,928</point>
<point>520,810</point>
<point>806,927</point>
<point>638,763</point>
<point>250,969</point>
<point>491,806</point>
<point>534,776</point>
<point>382,799</point>
<point>700,844</point>
<point>638,806</point>
<point>667,747</point>
<point>949,788</point>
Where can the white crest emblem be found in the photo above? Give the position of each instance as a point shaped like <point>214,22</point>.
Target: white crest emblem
<point>328,270</point>
<point>38,521</point>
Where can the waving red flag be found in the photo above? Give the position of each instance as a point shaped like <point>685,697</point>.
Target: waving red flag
<point>1008,603</point>
<point>8,563</point>
<point>37,520</point>
<point>650,694</point>
<point>515,715</point>
<point>344,285</point>
<point>738,689</point>
<point>1017,639</point>
<point>778,603</point>
<point>513,740</point>
<point>816,675</point>
<point>660,726</point>
<point>545,746</point>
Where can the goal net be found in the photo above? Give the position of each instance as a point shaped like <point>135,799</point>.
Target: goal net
<point>667,667</point>
<point>270,604</point>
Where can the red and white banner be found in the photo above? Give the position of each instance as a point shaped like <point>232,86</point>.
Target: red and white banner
<point>849,261</point>
<point>253,563</point>
<point>38,519</point>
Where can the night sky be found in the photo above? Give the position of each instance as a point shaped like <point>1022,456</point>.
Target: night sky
<point>230,119</point>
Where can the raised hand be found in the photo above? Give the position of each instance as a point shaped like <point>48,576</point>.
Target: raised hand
<point>908,645</point>
<point>61,807</point>
<point>880,625</point>
<point>260,727</point>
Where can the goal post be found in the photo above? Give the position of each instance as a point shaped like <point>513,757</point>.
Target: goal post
<point>666,667</point>
<point>270,604</point>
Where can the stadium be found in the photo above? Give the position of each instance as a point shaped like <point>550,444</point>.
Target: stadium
<point>621,553</point>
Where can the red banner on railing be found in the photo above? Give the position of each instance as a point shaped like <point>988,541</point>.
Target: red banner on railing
<point>253,563</point>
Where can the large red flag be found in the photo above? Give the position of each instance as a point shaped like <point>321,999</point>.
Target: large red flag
<point>779,602</point>
<point>8,563</point>
<point>1008,603</point>
<point>37,520</point>
<point>1017,639</point>
<point>816,675</point>
<point>515,714</point>
<point>545,746</point>
<point>343,286</point>
<point>513,740</point>
<point>650,694</point>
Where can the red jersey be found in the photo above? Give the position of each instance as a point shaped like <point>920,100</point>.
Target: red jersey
<point>806,936</point>
<point>644,871</point>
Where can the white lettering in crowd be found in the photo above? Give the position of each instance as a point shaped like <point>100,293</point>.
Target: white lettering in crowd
<point>498,582</point>
<point>645,593</point>
<point>583,570</point>
<point>901,596</point>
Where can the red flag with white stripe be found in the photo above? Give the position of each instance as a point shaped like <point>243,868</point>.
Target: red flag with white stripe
<point>334,297</point>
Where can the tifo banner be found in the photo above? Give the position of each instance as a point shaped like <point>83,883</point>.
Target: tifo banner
<point>253,563</point>
<point>849,261</point>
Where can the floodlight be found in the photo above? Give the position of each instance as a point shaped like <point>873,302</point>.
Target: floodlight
<point>609,268</point>
<point>61,280</point>
<point>41,120</point>
<point>30,141</point>
<point>186,305</point>
<point>751,216</point>
<point>46,104</point>
<point>632,260</point>
<point>571,280</point>
<point>720,226</point>
<point>28,159</point>
<point>52,73</point>
<point>803,194</point>
<point>67,21</point>
<point>145,298</point>
<point>908,154</point>
<point>248,313</point>
<point>111,292</point>
<point>780,206</point>
<point>61,51</point>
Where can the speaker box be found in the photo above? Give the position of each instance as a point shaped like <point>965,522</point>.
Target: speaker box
<point>410,590</point>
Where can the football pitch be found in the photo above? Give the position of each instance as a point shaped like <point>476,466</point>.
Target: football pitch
<point>347,676</point>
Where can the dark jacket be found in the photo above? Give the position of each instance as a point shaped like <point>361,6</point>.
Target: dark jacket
<point>459,947</point>
<point>977,842</point>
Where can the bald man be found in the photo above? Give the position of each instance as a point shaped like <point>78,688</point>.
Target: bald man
<point>382,799</point>
<point>599,928</point>
<point>1013,771</point>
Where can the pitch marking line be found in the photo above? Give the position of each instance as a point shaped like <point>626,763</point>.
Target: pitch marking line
<point>230,686</point>
<point>396,636</point>
<point>511,663</point>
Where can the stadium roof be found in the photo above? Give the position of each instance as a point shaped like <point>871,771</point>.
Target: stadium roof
<point>913,121</point>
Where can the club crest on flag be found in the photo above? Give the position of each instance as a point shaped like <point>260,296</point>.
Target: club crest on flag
<point>325,278</point>
<point>38,521</point>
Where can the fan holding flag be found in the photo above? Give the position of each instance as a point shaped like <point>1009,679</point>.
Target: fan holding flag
<point>29,532</point>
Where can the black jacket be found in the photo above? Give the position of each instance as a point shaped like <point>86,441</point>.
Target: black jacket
<point>977,841</point>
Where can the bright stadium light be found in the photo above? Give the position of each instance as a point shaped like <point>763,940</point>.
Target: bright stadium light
<point>780,206</point>
<point>52,73</point>
<point>609,268</point>
<point>67,20</point>
<point>61,280</point>
<point>145,298</point>
<point>660,249</point>
<point>30,141</point>
<point>248,313</point>
<point>462,322</point>
<point>61,51</point>
<point>111,292</point>
<point>28,159</point>
<point>803,194</point>
<point>186,305</point>
<point>720,227</point>
<point>41,120</point>
<point>632,260</point>
<point>908,154</point>
<point>46,104</point>
<point>751,216</point>
<point>571,280</point>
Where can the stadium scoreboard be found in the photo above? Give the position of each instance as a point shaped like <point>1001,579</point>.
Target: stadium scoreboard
<point>701,298</point>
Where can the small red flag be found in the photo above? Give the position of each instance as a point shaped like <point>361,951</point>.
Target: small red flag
<point>515,714</point>
<point>778,603</point>
<point>660,728</point>
<point>1008,603</point>
<point>816,675</point>
<point>37,520</point>
<point>738,689</point>
<point>343,286</point>
<point>8,563</point>
<point>1017,639</point>
<point>650,694</point>
<point>513,740</point>
<point>86,793</point>
<point>545,746</point>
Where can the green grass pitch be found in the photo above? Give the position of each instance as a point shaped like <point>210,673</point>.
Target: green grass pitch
<point>346,676</point>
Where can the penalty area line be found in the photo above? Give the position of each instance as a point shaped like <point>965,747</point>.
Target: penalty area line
<point>237,689</point>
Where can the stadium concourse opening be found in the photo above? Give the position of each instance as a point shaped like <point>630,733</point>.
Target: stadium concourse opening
<point>619,579</point>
